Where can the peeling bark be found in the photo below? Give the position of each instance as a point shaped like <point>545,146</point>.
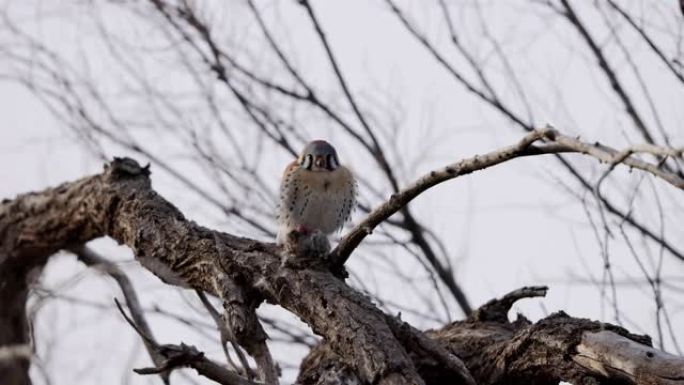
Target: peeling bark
<point>614,356</point>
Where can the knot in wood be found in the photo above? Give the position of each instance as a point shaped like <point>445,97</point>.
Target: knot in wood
<point>497,309</point>
<point>126,167</point>
<point>551,134</point>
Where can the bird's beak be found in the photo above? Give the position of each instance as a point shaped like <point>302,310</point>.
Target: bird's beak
<point>319,161</point>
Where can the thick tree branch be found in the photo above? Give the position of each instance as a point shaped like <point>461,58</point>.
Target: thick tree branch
<point>610,74</point>
<point>424,348</point>
<point>553,143</point>
<point>121,204</point>
<point>556,348</point>
<point>614,356</point>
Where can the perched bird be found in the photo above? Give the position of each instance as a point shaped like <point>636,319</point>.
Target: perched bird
<point>317,193</point>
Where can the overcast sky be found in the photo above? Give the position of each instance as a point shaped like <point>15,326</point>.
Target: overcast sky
<point>506,227</point>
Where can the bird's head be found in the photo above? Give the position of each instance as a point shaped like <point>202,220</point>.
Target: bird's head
<point>319,155</point>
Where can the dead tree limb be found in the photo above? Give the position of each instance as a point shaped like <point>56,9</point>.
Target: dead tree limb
<point>556,348</point>
<point>612,355</point>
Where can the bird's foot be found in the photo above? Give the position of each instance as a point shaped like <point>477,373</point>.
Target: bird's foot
<point>305,248</point>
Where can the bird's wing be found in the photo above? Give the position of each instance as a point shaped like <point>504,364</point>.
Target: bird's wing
<point>289,194</point>
<point>349,191</point>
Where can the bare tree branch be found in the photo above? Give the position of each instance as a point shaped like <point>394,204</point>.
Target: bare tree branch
<point>614,356</point>
<point>513,116</point>
<point>656,50</point>
<point>554,143</point>
<point>176,356</point>
<point>556,348</point>
<point>90,258</point>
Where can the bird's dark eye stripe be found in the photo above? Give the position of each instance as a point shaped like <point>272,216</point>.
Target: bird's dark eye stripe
<point>331,161</point>
<point>307,161</point>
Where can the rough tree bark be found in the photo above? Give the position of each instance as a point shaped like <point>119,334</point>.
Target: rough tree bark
<point>360,342</point>
<point>120,203</point>
<point>556,348</point>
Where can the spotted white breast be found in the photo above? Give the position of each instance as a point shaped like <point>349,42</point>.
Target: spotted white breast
<point>315,200</point>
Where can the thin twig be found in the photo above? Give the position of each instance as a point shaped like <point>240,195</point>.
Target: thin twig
<point>554,143</point>
<point>184,355</point>
<point>226,336</point>
<point>92,259</point>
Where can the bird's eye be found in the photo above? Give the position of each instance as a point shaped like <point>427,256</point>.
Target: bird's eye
<point>307,161</point>
<point>332,162</point>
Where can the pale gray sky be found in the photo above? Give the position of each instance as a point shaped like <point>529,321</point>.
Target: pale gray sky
<point>506,227</point>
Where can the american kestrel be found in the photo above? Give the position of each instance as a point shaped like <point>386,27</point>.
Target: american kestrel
<point>317,193</point>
